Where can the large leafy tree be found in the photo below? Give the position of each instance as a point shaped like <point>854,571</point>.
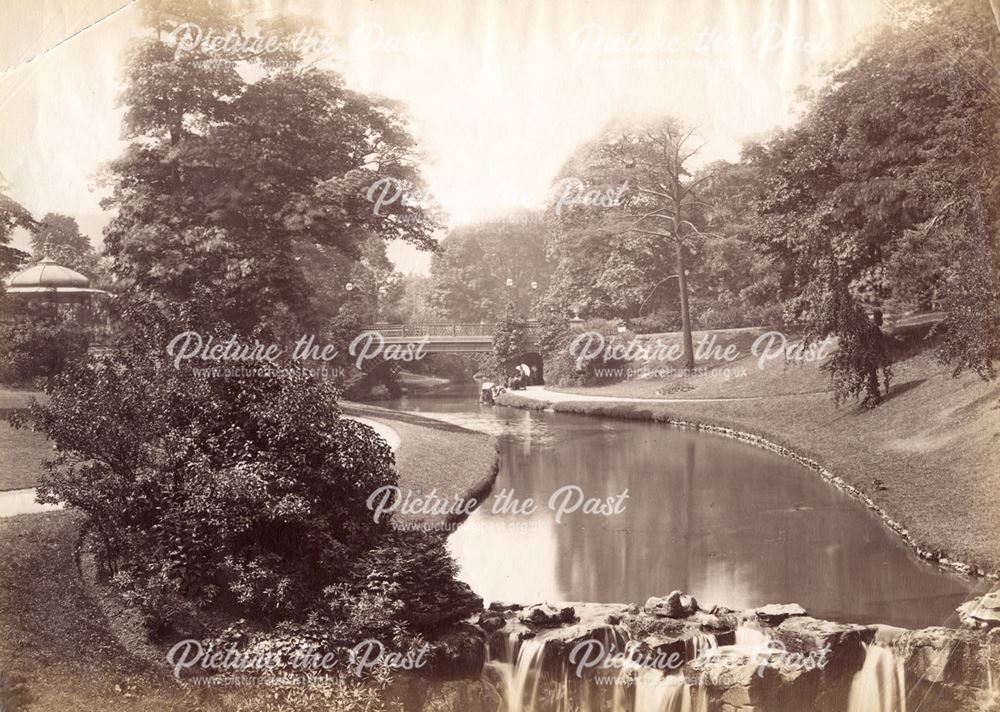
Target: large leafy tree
<point>234,161</point>
<point>12,216</point>
<point>886,184</point>
<point>600,268</point>
<point>655,218</point>
<point>730,274</point>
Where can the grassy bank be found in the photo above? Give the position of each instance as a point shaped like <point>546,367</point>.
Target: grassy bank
<point>21,455</point>
<point>929,456</point>
<point>56,650</point>
<point>433,455</point>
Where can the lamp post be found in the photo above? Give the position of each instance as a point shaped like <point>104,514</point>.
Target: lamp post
<point>512,296</point>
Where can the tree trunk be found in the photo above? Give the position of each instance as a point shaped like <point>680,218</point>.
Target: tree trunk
<point>685,309</point>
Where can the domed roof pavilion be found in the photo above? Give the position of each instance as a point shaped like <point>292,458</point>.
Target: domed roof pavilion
<point>49,280</point>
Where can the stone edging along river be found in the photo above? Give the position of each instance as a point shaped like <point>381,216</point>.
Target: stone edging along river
<point>608,408</point>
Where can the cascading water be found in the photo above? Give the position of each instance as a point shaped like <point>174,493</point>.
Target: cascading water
<point>522,664</point>
<point>519,664</point>
<point>880,685</point>
<point>701,644</point>
<point>750,635</point>
<point>656,692</point>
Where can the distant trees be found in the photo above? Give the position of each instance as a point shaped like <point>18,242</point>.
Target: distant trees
<point>470,272</point>
<point>415,306</point>
<point>59,238</point>
<point>59,233</point>
<point>509,342</point>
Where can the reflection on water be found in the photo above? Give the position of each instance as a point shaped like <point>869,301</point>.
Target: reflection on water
<point>732,524</point>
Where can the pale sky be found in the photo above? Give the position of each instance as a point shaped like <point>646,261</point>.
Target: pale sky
<point>500,92</point>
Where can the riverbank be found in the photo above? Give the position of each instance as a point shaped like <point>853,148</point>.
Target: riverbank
<point>926,459</point>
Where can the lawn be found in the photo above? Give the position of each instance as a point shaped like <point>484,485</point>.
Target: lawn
<point>437,455</point>
<point>56,651</point>
<point>21,454</point>
<point>21,451</point>
<point>745,376</point>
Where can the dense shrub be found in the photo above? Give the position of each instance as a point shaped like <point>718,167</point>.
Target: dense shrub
<point>657,322</point>
<point>413,571</point>
<point>563,367</point>
<point>509,343</point>
<point>730,315</point>
<point>39,343</point>
<point>247,491</point>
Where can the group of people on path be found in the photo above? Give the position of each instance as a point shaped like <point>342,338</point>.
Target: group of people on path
<point>516,381</point>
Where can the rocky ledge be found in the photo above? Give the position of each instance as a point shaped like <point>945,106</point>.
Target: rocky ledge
<point>672,653</point>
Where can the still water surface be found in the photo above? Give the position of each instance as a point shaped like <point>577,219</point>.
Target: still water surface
<point>732,524</point>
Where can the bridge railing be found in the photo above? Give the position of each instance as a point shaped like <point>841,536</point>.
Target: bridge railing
<point>453,330</point>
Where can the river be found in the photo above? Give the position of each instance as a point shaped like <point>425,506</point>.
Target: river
<point>729,523</point>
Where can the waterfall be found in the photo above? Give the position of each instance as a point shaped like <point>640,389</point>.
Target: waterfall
<point>656,692</point>
<point>880,684</point>
<point>700,644</point>
<point>750,635</point>
<point>521,666</point>
<point>643,689</point>
<point>520,677</point>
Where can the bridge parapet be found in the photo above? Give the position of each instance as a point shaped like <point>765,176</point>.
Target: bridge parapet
<point>418,330</point>
<point>445,337</point>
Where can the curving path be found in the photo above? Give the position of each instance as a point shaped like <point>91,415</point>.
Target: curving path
<point>543,394</point>
<point>22,501</point>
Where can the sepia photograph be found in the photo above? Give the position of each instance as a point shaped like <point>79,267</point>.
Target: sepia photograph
<point>499,355</point>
